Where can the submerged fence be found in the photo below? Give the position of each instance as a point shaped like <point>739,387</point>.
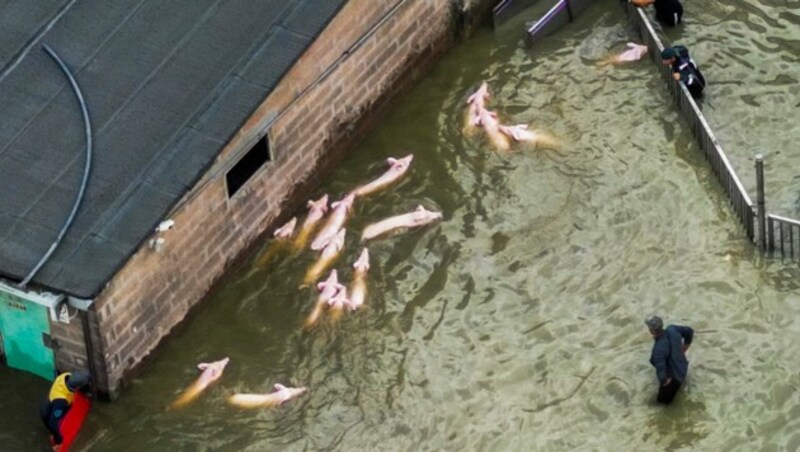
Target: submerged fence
<point>775,234</point>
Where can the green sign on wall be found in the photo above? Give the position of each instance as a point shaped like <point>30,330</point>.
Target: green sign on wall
<point>25,331</point>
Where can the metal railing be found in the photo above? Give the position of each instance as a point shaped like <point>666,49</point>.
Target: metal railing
<point>775,233</point>
<point>721,166</point>
<point>773,227</point>
<point>788,235</point>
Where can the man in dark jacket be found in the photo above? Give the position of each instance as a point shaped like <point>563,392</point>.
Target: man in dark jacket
<point>668,12</point>
<point>668,356</point>
<point>684,69</point>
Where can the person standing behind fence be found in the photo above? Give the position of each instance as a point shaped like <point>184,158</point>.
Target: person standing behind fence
<point>668,12</point>
<point>668,356</point>
<point>684,69</point>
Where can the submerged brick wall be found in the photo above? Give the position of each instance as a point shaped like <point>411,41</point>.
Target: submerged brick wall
<point>155,290</point>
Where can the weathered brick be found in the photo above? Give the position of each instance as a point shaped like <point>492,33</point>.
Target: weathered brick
<point>155,290</point>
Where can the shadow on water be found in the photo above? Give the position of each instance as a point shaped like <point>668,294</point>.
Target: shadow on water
<point>682,425</point>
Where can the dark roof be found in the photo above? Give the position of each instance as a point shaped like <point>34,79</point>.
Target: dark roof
<point>167,83</point>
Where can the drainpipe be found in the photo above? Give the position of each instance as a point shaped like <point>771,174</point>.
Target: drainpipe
<point>87,340</point>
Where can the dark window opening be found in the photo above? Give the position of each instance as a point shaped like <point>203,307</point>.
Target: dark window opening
<point>248,165</point>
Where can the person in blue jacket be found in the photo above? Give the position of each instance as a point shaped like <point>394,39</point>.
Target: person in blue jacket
<point>684,69</point>
<point>669,356</point>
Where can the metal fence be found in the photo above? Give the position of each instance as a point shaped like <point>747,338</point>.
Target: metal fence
<point>721,166</point>
<point>787,232</point>
<point>773,227</point>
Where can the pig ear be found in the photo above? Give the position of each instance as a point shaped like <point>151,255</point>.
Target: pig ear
<point>420,208</point>
<point>279,387</point>
<point>391,160</point>
<point>202,366</point>
<point>334,204</point>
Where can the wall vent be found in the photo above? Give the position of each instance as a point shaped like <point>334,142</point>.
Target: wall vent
<point>248,165</point>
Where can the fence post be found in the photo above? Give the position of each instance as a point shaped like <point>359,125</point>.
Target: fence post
<point>762,216</point>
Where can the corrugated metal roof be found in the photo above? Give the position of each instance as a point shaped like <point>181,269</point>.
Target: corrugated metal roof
<point>167,83</point>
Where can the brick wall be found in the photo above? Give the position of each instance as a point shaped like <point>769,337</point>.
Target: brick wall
<point>69,345</point>
<point>155,290</point>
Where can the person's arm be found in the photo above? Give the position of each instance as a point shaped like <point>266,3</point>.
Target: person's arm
<point>642,2</point>
<point>687,334</point>
<point>676,70</point>
<point>86,390</point>
<point>659,360</point>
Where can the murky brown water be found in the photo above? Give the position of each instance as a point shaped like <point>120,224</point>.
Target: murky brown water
<point>516,323</point>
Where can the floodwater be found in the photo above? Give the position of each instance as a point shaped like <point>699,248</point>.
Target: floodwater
<point>516,322</point>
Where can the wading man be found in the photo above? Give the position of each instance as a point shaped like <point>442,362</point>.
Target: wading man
<point>668,356</point>
<point>668,12</point>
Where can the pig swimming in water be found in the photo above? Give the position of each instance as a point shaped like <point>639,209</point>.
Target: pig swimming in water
<point>339,302</point>
<point>281,395</point>
<point>336,221</point>
<point>358,291</point>
<point>418,217</point>
<point>521,133</point>
<point>491,125</point>
<point>316,210</point>
<point>285,232</point>
<point>328,256</point>
<point>634,52</point>
<point>477,102</point>
<point>282,236</point>
<point>211,373</point>
<point>327,290</point>
<point>397,167</point>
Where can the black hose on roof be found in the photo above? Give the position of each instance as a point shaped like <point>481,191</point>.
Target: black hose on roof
<point>76,89</point>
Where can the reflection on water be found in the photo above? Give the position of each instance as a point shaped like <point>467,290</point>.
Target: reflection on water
<point>516,322</point>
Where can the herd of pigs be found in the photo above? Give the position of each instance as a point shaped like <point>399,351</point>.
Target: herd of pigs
<point>333,296</point>
<point>500,136</point>
<point>330,238</point>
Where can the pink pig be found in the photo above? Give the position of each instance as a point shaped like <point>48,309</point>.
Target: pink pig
<point>397,167</point>
<point>418,217</point>
<point>285,232</point>
<point>634,52</point>
<point>281,395</point>
<point>328,289</point>
<point>211,372</point>
<point>328,256</point>
<point>359,287</point>
<point>488,119</point>
<point>337,219</point>
<point>316,210</point>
